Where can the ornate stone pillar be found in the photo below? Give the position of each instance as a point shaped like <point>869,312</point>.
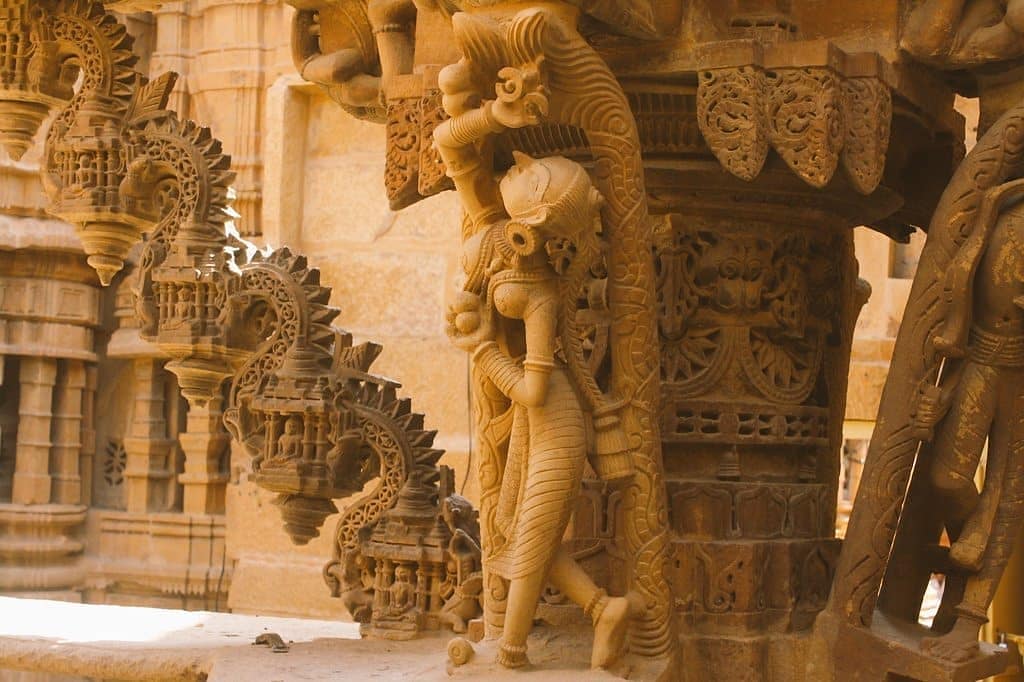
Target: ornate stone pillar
<point>67,433</point>
<point>147,471</point>
<point>757,306</point>
<point>205,443</point>
<point>32,483</point>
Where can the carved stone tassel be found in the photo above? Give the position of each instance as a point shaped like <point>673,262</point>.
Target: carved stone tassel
<point>612,459</point>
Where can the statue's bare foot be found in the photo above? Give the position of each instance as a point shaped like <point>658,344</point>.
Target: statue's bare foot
<point>610,633</point>
<point>958,646</point>
<point>966,555</point>
<point>513,655</point>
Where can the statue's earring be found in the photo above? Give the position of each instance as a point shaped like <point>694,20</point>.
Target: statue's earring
<point>523,239</point>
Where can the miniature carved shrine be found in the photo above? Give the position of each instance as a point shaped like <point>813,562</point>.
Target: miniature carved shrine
<point>657,293</point>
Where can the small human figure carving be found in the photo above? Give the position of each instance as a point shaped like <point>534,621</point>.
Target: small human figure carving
<point>464,583</point>
<point>289,445</point>
<point>980,398</point>
<point>538,238</point>
<point>402,591</point>
<point>183,308</point>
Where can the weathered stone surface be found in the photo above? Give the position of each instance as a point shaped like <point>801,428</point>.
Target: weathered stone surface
<point>758,131</point>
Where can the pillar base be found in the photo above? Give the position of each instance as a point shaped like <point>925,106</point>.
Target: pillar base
<point>41,548</point>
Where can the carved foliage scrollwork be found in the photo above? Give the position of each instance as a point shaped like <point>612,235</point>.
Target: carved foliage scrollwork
<point>432,176</point>
<point>725,296</point>
<point>743,339</point>
<point>732,118</point>
<point>414,169</point>
<point>869,121</point>
<point>401,179</point>
<point>806,122</point>
<point>813,117</point>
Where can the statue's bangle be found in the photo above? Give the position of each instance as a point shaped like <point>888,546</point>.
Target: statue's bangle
<point>389,28</point>
<point>469,127</point>
<point>482,348</point>
<point>538,365</point>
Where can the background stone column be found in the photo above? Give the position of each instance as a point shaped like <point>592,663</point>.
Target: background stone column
<point>205,443</point>
<point>35,416</point>
<point>147,470</point>
<point>87,453</point>
<point>67,433</point>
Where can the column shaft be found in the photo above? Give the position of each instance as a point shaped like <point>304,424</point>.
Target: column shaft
<point>147,446</point>
<point>204,443</point>
<point>35,416</point>
<point>67,432</point>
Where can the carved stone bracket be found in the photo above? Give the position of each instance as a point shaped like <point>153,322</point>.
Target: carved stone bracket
<point>414,170</point>
<point>814,117</point>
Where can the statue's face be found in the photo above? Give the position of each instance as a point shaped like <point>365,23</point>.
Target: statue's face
<point>522,187</point>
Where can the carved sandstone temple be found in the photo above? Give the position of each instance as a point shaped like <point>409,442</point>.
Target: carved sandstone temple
<point>656,283</point>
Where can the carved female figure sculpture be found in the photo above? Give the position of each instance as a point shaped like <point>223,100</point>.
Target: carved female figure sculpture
<point>527,267</point>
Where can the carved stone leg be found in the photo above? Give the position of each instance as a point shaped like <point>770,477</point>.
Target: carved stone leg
<point>1005,444</point>
<point>204,443</point>
<point>147,470</point>
<point>35,415</point>
<point>67,432</point>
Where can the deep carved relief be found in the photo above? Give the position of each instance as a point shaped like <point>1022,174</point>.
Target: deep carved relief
<point>806,122</point>
<point>953,379</point>
<point>733,118</point>
<point>813,117</point>
<point>743,339</point>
